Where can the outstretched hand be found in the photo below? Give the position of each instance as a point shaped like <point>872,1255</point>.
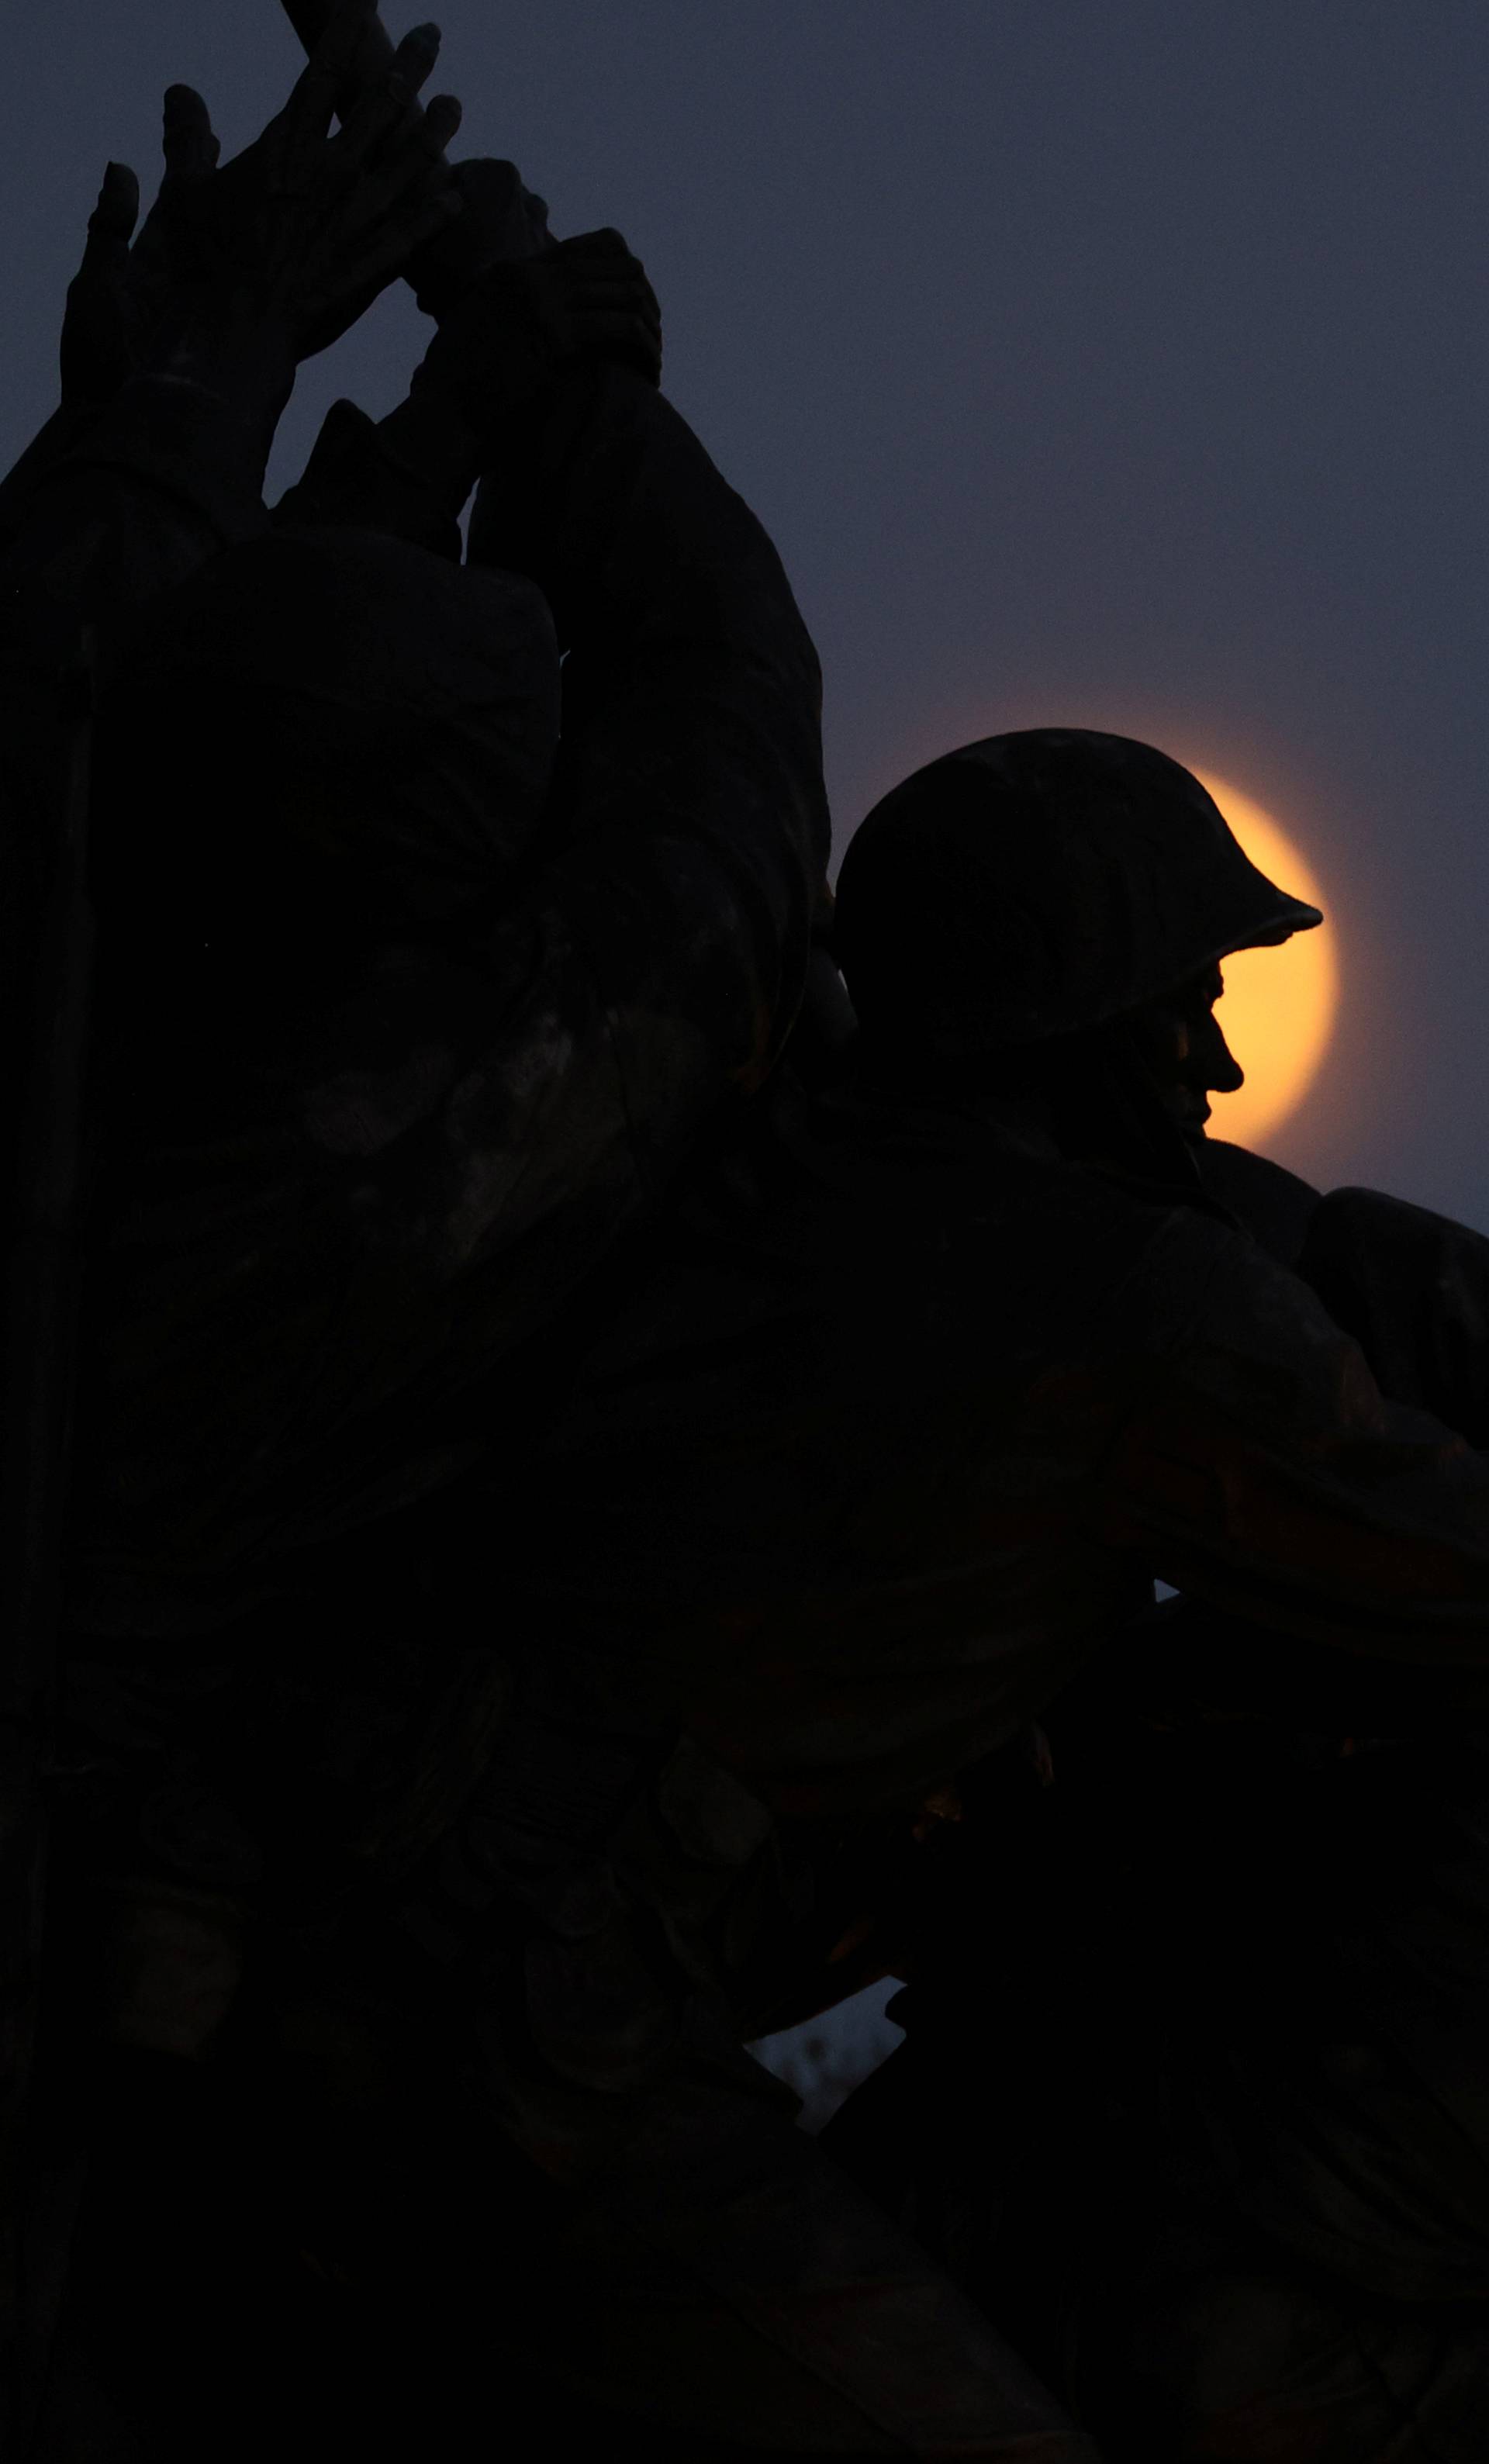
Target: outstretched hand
<point>584,297</point>
<point>500,220</point>
<point>290,242</point>
<point>590,297</point>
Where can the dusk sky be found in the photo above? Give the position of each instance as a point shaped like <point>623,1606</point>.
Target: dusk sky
<point>1092,361</point>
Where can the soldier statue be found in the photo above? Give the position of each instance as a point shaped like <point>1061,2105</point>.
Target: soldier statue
<point>401,1011</point>
<point>1199,2112</point>
<point>564,1478</point>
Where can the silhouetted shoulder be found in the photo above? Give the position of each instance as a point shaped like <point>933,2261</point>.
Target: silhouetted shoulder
<point>1274,1206</point>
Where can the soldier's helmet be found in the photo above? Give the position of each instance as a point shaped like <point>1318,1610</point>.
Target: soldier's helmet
<point>1032,885</point>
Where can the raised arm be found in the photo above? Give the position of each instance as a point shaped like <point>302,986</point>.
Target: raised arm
<point>665,944</point>
<point>393,1191</point>
<point>179,353</point>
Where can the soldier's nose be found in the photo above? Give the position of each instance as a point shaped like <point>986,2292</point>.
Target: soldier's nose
<point>1223,1073</point>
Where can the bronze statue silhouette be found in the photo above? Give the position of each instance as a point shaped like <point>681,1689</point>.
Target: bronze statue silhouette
<point>397,1020</point>
<point>1237,2006</point>
<point>579,1463</point>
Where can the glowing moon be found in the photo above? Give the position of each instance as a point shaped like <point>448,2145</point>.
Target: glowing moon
<point>1278,1011</point>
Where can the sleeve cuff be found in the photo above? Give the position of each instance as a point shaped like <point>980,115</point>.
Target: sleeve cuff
<point>192,445</point>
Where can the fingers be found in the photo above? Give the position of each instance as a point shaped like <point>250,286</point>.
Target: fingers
<point>353,49</point>
<point>189,147</point>
<point>347,30</point>
<point>442,118</point>
<point>586,243</point>
<point>593,297</point>
<point>601,273</point>
<point>605,288</point>
<point>96,353</point>
<point>388,253</point>
<point>386,123</point>
<point>113,219</point>
<point>597,243</point>
<point>606,307</point>
<point>355,72</point>
<point>602,258</point>
<point>415,57</point>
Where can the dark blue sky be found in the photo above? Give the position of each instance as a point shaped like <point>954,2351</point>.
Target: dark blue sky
<point>1125,366</point>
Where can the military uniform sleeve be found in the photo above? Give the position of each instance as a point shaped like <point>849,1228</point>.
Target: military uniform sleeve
<point>401,1175</point>
<point>1264,1471</point>
<point>691,780</point>
<point>105,510</point>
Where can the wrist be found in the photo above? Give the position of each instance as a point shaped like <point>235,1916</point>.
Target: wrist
<point>430,439</point>
<point>491,364</point>
<point>247,364</point>
<point>180,439</point>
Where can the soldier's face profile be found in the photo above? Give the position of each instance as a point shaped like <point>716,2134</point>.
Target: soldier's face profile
<point>1184,1047</point>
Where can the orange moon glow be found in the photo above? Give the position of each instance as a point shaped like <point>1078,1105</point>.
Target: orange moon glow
<point>1279,1006</point>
